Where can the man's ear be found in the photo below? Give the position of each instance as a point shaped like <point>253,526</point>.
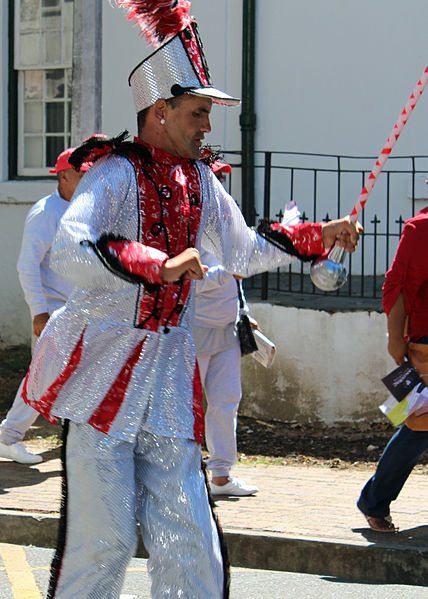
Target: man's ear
<point>159,109</point>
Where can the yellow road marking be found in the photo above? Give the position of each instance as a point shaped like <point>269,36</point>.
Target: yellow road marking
<point>19,572</point>
<point>136,569</point>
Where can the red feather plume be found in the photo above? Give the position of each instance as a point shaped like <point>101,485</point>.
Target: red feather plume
<point>158,19</point>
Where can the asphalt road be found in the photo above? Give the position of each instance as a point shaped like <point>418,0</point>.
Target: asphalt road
<point>24,573</point>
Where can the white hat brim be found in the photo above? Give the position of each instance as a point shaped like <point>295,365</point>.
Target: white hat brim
<point>217,96</point>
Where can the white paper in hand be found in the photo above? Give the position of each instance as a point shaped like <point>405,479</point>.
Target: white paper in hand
<point>265,349</point>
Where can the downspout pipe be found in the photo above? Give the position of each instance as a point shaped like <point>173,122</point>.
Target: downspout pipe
<point>12,109</point>
<point>247,118</point>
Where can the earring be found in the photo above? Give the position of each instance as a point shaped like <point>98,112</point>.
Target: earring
<point>162,121</point>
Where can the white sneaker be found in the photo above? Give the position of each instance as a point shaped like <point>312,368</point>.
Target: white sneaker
<point>18,453</point>
<point>235,486</point>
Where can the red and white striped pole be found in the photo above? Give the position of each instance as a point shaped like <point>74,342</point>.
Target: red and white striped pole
<point>329,273</point>
<point>390,143</point>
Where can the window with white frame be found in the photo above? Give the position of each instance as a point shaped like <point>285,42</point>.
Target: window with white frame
<point>43,60</point>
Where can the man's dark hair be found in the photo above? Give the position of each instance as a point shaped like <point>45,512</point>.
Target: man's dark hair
<point>142,115</point>
<point>141,118</point>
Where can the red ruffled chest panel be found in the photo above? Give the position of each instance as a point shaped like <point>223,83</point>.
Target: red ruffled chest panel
<point>170,208</point>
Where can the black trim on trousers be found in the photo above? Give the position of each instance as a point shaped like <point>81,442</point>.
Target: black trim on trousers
<point>222,540</point>
<point>59,552</point>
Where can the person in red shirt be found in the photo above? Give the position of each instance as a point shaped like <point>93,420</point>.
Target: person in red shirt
<point>405,302</point>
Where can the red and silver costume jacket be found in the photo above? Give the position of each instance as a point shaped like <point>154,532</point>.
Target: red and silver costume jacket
<point>119,355</point>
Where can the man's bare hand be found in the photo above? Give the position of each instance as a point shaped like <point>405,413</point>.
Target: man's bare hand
<point>187,264</point>
<point>341,232</point>
<point>397,349</point>
<point>396,322</point>
<point>39,323</point>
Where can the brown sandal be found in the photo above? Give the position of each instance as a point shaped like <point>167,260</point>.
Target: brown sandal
<point>381,524</point>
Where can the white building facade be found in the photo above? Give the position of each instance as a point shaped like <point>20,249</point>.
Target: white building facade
<point>330,77</point>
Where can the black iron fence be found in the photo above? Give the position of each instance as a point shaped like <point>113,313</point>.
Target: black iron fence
<point>325,187</point>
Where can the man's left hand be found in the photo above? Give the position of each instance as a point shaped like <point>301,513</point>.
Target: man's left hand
<point>341,232</point>
<point>39,323</point>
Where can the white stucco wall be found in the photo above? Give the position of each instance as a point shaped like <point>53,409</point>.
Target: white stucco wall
<point>333,76</point>
<point>327,366</point>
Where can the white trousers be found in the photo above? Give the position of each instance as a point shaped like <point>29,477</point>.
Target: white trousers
<point>20,417</point>
<point>112,484</point>
<point>221,379</point>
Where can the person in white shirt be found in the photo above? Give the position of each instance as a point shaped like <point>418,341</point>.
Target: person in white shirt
<point>219,358</point>
<point>44,291</point>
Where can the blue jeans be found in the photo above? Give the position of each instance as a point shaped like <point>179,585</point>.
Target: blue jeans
<point>395,465</point>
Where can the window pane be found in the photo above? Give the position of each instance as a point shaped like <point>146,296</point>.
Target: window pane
<point>68,46</point>
<point>33,152</point>
<point>33,87</point>
<point>29,14</point>
<point>67,14</point>
<point>68,82</point>
<point>29,49</point>
<point>44,42</point>
<point>51,44</point>
<point>55,83</point>
<point>54,147</point>
<point>51,19</point>
<point>50,3</point>
<point>54,117</point>
<point>68,116</point>
<point>33,117</point>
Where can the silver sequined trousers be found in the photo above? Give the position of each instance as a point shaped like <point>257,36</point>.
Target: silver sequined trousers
<point>156,480</point>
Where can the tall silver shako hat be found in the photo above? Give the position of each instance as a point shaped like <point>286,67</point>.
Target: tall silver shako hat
<point>178,65</point>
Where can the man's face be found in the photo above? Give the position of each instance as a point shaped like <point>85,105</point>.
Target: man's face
<point>68,180</point>
<point>185,126</point>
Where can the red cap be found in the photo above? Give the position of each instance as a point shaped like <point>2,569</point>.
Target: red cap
<point>96,136</point>
<point>220,167</point>
<point>62,162</point>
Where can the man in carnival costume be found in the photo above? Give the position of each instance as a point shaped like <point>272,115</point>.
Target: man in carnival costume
<point>118,363</point>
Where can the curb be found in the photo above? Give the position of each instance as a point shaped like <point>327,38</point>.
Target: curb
<point>383,562</point>
<point>25,528</point>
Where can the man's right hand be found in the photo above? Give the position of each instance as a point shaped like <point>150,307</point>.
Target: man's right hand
<point>187,264</point>
<point>341,232</point>
<point>39,323</point>
<point>397,349</point>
